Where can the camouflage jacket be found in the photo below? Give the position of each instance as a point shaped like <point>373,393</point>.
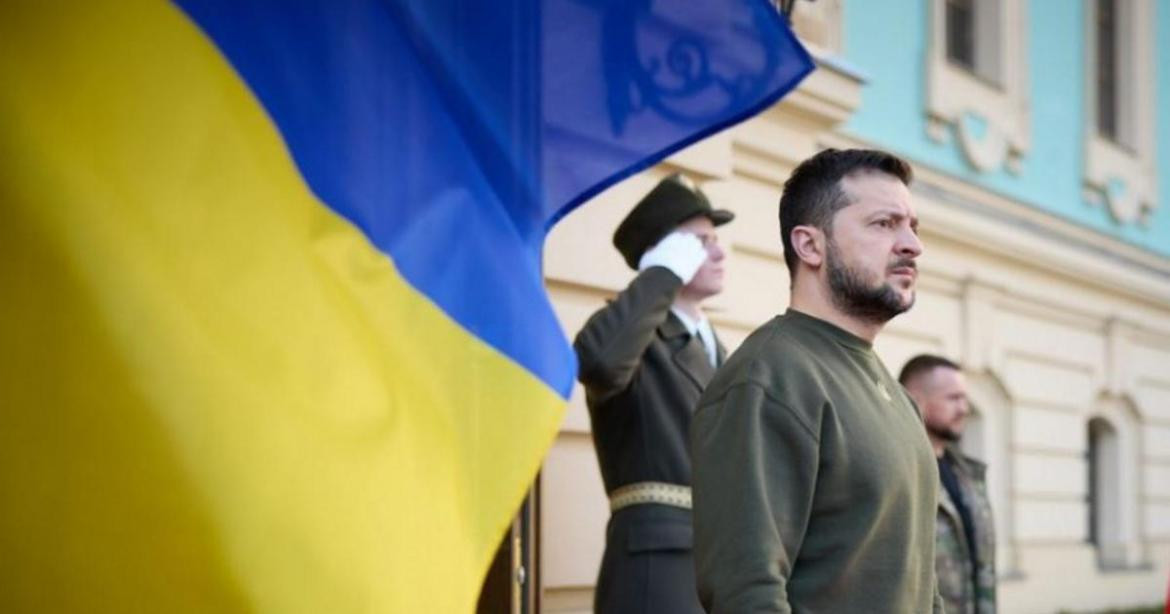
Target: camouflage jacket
<point>952,558</point>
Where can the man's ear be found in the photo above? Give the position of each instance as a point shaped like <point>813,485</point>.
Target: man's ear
<point>809,244</point>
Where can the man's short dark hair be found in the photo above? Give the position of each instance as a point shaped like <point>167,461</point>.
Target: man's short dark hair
<point>813,194</point>
<point>921,365</point>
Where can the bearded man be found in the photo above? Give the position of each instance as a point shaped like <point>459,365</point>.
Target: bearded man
<point>964,532</point>
<point>814,483</point>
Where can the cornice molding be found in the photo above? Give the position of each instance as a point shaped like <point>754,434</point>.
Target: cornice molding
<point>1041,240</point>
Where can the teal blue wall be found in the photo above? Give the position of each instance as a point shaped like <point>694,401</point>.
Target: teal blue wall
<point>1160,226</point>
<point>887,41</point>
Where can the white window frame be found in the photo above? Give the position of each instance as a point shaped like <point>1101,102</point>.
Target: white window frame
<point>988,115</point>
<point>1119,530</point>
<point>1121,175</point>
<point>989,439</point>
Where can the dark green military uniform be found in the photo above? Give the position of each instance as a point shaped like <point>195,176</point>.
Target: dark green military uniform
<point>814,483</point>
<point>966,582</point>
<point>643,373</point>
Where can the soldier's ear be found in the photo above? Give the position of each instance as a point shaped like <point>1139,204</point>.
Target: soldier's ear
<point>808,242</point>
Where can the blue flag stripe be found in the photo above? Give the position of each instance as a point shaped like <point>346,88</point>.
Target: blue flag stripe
<point>454,133</point>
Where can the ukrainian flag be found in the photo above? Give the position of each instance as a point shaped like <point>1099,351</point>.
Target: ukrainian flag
<point>274,336</point>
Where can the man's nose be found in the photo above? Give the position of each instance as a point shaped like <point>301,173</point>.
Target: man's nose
<point>715,252</point>
<point>908,245</point>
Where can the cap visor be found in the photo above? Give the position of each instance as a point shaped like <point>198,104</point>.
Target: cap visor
<point>721,216</point>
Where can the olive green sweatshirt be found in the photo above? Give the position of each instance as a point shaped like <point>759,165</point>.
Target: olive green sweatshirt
<point>814,482</point>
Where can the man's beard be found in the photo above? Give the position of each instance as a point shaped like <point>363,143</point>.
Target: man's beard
<point>875,304</point>
<point>945,434</point>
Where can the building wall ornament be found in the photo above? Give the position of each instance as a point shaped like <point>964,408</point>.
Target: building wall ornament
<point>987,114</point>
<point>1120,175</point>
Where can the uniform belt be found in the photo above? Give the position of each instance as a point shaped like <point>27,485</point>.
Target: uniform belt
<point>641,493</point>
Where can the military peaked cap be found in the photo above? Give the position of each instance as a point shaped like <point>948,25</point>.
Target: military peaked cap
<point>673,201</point>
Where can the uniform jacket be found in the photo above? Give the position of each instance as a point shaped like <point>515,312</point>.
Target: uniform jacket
<point>643,374</point>
<point>952,552</point>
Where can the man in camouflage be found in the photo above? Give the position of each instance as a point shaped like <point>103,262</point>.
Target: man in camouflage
<point>965,535</point>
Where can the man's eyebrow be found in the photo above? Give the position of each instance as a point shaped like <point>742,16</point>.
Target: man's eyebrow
<point>889,212</point>
<point>896,214</point>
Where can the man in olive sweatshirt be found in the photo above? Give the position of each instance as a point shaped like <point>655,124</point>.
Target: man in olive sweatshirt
<point>814,483</point>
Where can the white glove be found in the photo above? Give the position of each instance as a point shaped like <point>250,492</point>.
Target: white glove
<point>681,252</point>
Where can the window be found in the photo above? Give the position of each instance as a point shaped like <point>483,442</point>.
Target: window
<point>1113,483</point>
<point>1119,141</point>
<point>1102,461</point>
<point>961,33</point>
<point>1106,24</point>
<point>988,437</point>
<point>973,94</point>
<point>973,37</point>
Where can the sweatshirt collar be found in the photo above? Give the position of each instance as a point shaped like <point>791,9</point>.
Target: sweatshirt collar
<point>828,329</point>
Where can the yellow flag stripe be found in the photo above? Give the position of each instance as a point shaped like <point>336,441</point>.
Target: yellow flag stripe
<point>217,396</point>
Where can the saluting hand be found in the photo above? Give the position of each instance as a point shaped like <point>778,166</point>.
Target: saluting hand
<point>681,252</point>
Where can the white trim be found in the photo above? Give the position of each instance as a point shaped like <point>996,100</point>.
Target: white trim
<point>1119,531</point>
<point>1130,163</point>
<point>955,97</point>
<point>995,406</point>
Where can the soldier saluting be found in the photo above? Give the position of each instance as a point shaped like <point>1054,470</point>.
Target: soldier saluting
<point>645,358</point>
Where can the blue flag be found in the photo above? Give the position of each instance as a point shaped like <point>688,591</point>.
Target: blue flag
<point>454,133</point>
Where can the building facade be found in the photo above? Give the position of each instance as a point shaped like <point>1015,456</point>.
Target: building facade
<point>1040,134</point>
